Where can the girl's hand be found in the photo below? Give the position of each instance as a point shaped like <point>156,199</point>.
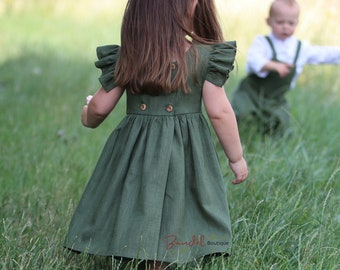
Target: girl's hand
<point>84,111</point>
<point>84,116</point>
<point>88,98</point>
<point>240,170</point>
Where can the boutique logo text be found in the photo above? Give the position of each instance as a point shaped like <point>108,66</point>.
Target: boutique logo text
<point>172,241</point>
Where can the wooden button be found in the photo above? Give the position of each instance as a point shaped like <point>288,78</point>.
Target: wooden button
<point>169,108</point>
<point>142,107</point>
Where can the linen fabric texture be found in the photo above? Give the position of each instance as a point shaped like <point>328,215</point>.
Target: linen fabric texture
<point>157,191</point>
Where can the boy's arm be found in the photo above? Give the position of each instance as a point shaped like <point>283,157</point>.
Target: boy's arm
<point>259,59</point>
<point>259,54</point>
<point>273,66</point>
<point>321,54</point>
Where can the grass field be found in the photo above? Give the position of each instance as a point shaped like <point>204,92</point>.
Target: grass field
<point>286,216</point>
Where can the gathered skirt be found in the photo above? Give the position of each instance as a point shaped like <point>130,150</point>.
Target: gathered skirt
<point>157,193</point>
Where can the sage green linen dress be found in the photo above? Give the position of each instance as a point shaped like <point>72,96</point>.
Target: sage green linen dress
<point>157,191</point>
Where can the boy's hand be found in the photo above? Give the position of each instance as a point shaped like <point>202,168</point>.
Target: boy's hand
<point>283,69</point>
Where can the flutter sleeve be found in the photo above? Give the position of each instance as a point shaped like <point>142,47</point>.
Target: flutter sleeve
<point>107,59</point>
<point>221,62</point>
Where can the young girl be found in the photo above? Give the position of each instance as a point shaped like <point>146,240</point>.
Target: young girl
<point>157,193</point>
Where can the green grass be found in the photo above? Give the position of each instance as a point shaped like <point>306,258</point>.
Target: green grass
<point>286,216</point>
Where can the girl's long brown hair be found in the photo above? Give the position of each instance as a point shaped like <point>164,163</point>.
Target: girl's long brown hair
<point>153,36</point>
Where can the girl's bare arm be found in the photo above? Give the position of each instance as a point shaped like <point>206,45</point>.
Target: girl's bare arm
<point>223,120</point>
<point>100,106</point>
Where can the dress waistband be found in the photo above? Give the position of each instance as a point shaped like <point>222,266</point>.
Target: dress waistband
<point>166,107</point>
<point>161,109</point>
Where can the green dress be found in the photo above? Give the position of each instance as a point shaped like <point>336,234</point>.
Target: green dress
<point>263,100</point>
<point>157,191</point>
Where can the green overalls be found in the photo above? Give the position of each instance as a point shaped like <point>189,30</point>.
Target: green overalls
<point>263,99</point>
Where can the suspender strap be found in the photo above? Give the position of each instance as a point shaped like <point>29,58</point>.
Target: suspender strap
<point>297,52</point>
<point>274,52</point>
<point>272,46</point>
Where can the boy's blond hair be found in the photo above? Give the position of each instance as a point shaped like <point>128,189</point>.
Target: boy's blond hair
<point>287,2</point>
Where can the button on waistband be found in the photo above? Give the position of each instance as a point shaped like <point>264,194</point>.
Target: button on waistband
<point>142,107</point>
<point>169,108</point>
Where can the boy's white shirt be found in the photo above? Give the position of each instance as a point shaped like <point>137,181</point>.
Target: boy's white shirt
<point>260,53</point>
